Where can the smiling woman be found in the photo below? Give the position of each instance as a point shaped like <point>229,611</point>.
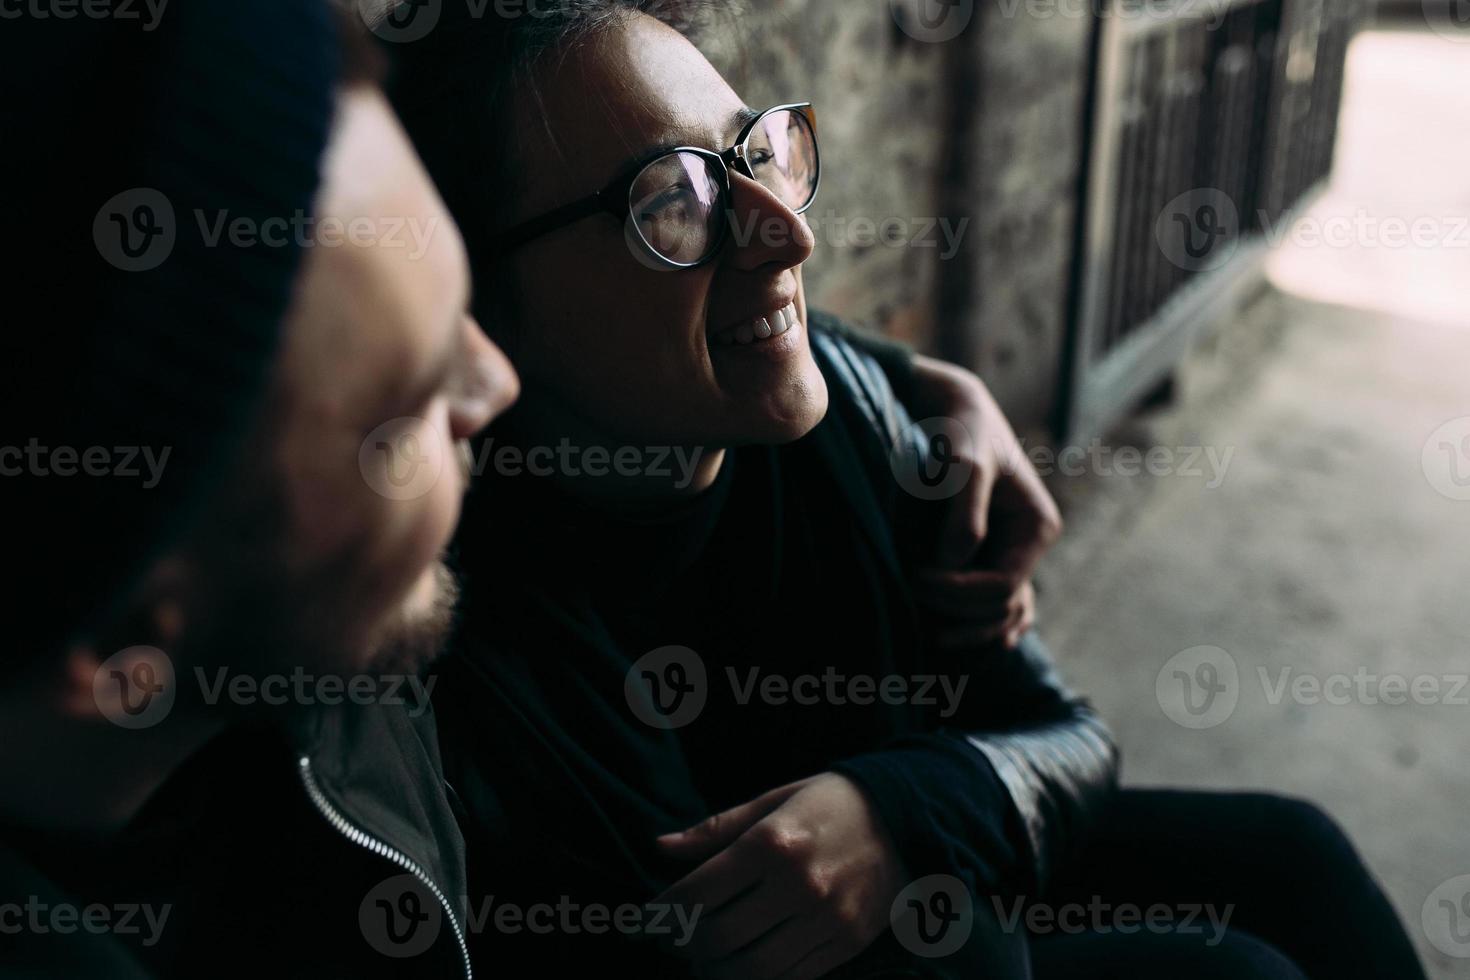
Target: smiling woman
<point>493,62</point>
<point>641,252</point>
<point>615,712</point>
<point>594,244</point>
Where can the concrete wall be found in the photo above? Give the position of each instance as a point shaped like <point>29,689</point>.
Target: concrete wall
<point>951,164</point>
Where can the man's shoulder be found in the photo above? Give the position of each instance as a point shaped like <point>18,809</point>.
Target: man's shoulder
<point>36,950</point>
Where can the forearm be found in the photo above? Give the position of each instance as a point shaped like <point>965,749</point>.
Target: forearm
<point>1005,794</point>
<point>1058,775</point>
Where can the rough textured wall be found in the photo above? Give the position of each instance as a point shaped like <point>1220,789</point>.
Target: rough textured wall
<point>1033,82</point>
<point>880,99</point>
<point>975,139</point>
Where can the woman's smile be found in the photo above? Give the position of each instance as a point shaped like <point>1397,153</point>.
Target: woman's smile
<point>762,332</point>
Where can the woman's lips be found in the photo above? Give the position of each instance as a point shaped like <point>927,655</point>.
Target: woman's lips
<point>759,331</point>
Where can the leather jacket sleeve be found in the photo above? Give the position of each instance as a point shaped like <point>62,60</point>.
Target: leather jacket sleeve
<point>1018,735</point>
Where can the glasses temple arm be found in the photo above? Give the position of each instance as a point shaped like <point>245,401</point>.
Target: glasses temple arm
<point>568,214</point>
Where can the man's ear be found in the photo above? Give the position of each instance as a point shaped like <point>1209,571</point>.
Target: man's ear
<point>105,675</point>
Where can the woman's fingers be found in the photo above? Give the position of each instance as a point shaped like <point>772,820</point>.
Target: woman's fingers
<point>983,619</point>
<point>772,955</point>
<point>739,925</point>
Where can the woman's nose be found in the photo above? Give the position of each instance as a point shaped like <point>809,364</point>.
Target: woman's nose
<point>765,231</point>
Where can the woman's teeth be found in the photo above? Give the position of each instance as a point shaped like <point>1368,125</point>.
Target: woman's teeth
<point>761,328</point>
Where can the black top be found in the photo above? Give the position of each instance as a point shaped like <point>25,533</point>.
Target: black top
<point>790,565</point>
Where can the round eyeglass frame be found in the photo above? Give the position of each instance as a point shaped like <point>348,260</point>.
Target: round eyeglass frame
<point>616,198</point>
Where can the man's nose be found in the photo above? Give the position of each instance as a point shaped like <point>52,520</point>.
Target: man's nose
<point>487,386</point>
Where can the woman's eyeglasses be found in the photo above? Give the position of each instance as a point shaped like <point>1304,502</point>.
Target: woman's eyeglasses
<point>677,204</point>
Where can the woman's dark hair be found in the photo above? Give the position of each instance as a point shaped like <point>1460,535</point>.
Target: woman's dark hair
<point>458,90</point>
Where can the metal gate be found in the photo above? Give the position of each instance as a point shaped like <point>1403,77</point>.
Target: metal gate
<point>1211,120</point>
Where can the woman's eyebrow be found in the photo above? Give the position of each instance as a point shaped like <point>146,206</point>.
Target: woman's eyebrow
<point>739,119</point>
<point>734,124</point>
<point>675,138</point>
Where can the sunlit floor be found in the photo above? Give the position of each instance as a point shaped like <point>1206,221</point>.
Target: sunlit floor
<point>1392,232</point>
<point>1336,545</point>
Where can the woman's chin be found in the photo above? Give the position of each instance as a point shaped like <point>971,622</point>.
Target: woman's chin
<point>789,414</point>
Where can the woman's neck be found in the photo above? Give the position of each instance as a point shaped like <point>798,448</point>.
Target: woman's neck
<point>596,468</point>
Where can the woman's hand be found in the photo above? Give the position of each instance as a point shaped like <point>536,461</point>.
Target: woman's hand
<point>793,884</point>
<point>996,530</point>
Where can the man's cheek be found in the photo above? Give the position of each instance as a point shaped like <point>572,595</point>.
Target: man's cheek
<point>416,535</point>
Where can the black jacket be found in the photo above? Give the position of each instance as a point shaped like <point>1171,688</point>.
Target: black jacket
<point>797,560</point>
<point>281,854</point>
<point>330,852</point>
<point>334,852</point>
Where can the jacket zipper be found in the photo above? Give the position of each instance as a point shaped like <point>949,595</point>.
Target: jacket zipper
<point>363,839</point>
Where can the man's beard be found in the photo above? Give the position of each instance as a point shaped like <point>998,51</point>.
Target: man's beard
<point>267,630</point>
<point>413,638</point>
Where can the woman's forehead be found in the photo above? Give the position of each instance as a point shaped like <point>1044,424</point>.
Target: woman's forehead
<point>626,91</point>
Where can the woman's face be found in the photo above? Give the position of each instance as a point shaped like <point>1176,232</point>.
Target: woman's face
<point>633,353</point>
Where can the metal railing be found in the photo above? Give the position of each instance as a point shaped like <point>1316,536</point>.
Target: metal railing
<point>1209,123</point>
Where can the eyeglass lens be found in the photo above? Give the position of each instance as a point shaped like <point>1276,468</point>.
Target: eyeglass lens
<point>675,202</point>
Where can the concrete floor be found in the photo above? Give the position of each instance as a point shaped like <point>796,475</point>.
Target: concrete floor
<point>1337,542</point>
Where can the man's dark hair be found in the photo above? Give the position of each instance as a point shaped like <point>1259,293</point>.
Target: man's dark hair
<point>458,90</point>
<point>363,62</point>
